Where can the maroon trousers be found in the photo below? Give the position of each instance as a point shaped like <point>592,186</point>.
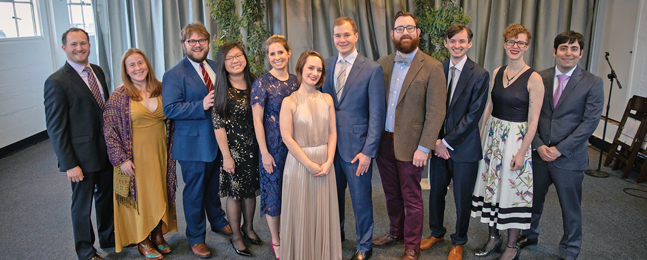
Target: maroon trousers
<point>401,184</point>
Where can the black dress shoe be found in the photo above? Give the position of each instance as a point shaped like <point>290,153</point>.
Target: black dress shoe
<point>524,242</point>
<point>256,241</point>
<point>359,255</point>
<point>244,252</point>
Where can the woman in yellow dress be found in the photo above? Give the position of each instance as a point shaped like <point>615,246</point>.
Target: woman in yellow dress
<point>138,137</point>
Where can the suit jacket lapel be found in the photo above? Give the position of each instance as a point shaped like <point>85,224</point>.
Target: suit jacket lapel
<point>76,78</point>
<point>416,65</point>
<point>549,82</point>
<point>575,78</point>
<point>330,77</point>
<point>355,70</point>
<point>102,82</point>
<point>466,74</point>
<point>193,74</point>
<point>388,73</point>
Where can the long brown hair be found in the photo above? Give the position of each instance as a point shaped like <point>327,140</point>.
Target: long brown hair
<point>153,85</point>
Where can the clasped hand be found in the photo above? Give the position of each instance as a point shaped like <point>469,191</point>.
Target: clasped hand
<point>319,170</point>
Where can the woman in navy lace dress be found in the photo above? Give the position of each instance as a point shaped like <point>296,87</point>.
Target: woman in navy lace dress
<point>268,92</point>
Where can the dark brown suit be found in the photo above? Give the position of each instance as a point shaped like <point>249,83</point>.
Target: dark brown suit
<point>419,115</point>
<point>420,112</point>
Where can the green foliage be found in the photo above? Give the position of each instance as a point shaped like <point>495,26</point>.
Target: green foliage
<point>257,32</point>
<point>224,11</point>
<point>434,22</point>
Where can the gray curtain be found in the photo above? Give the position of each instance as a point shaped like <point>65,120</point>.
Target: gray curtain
<point>154,25</point>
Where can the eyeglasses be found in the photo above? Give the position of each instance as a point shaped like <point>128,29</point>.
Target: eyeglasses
<point>511,43</point>
<point>192,42</point>
<point>400,29</point>
<point>238,56</point>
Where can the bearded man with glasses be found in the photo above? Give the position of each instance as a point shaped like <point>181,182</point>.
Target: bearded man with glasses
<point>187,95</point>
<point>415,94</point>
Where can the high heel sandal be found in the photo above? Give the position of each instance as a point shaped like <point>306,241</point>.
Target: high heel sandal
<point>256,241</point>
<point>484,252</point>
<point>147,249</point>
<point>158,239</point>
<point>273,245</point>
<point>516,255</point>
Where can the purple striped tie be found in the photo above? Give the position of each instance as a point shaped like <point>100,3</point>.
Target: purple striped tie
<point>561,79</point>
<point>94,87</point>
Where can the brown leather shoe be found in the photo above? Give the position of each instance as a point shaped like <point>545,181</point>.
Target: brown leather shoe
<point>225,230</point>
<point>96,257</point>
<point>430,241</point>
<point>411,255</point>
<point>456,253</point>
<point>201,250</point>
<point>385,240</point>
<point>147,249</point>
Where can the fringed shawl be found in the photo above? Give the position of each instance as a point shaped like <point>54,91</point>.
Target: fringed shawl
<point>118,133</point>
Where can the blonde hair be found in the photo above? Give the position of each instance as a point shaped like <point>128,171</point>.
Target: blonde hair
<point>276,39</point>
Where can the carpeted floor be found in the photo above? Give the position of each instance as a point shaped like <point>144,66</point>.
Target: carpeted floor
<point>35,218</point>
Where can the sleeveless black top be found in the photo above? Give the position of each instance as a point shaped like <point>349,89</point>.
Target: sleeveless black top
<point>511,103</point>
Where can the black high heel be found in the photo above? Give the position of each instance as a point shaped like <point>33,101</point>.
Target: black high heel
<point>256,241</point>
<point>484,252</point>
<point>516,255</point>
<point>244,252</point>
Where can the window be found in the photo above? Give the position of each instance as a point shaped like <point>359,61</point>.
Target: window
<point>81,15</point>
<point>18,18</point>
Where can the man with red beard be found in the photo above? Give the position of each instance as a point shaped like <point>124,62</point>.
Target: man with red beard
<point>187,96</point>
<point>415,93</point>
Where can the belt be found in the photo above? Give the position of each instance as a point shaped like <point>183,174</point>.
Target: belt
<point>388,134</point>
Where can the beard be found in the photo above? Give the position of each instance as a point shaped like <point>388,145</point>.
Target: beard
<point>194,56</point>
<point>406,47</point>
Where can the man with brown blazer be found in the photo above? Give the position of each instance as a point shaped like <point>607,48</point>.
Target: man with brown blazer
<point>415,93</point>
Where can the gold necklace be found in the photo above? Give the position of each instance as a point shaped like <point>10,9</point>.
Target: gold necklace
<point>515,75</point>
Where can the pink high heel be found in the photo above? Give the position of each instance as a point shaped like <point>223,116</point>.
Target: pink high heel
<point>273,245</point>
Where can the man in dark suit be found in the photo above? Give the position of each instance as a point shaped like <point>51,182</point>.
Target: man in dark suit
<point>458,149</point>
<point>570,114</point>
<point>187,96</point>
<point>415,93</point>
<point>75,97</point>
<point>357,88</point>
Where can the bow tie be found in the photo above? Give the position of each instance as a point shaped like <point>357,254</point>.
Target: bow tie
<point>406,61</point>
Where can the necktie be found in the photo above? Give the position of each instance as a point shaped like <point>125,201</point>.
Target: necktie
<point>561,79</point>
<point>94,87</point>
<point>404,60</point>
<point>207,79</point>
<point>450,87</point>
<point>341,79</point>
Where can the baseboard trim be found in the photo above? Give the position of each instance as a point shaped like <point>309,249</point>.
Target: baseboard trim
<point>22,144</point>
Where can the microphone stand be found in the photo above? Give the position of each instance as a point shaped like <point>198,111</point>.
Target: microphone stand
<point>611,76</point>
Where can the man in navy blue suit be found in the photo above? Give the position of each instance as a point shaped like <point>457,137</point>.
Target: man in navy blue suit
<point>458,148</point>
<point>187,95</point>
<point>357,88</point>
